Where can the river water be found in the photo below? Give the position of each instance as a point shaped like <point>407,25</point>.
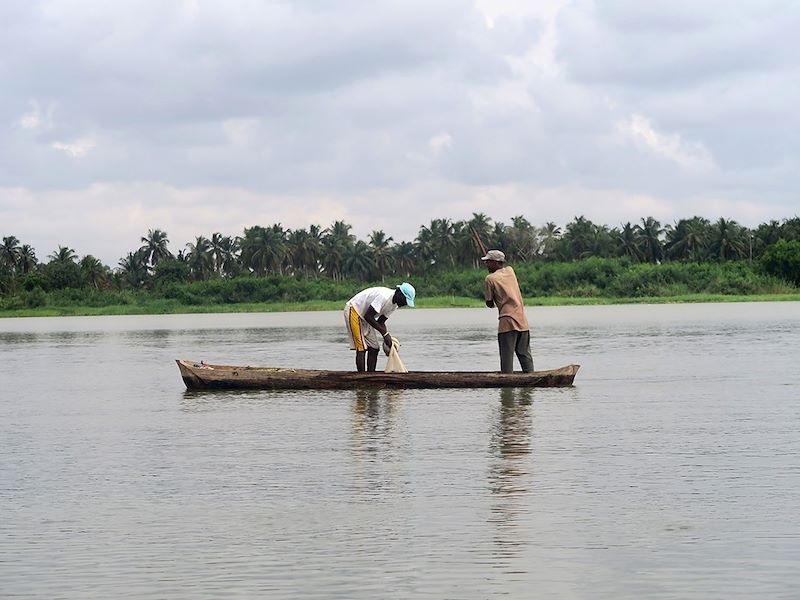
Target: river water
<point>670,469</point>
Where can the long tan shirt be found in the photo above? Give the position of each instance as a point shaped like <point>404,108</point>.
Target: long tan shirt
<point>502,288</point>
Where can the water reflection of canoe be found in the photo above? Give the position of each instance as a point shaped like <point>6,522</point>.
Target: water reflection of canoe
<point>198,376</point>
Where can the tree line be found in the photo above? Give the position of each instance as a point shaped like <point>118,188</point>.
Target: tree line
<point>443,245</point>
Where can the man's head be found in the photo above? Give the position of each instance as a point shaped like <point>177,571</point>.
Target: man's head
<point>404,295</point>
<point>494,260</point>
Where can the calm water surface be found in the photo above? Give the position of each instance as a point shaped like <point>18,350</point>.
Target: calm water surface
<point>670,470</point>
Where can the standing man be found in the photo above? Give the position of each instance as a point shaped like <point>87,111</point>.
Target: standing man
<point>502,291</point>
<point>365,315</point>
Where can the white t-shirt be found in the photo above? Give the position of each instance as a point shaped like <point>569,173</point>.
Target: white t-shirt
<point>379,298</point>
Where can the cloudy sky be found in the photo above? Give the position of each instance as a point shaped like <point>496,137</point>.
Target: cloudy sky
<point>197,117</point>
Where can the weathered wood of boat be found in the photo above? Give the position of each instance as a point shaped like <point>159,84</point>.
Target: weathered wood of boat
<point>201,376</point>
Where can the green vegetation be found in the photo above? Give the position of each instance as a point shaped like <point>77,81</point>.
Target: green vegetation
<point>269,268</point>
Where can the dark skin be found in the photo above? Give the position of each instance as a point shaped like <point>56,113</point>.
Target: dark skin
<point>492,266</point>
<point>368,359</point>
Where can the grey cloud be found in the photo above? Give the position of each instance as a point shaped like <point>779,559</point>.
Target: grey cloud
<point>157,88</point>
<point>664,45</point>
<point>345,99</point>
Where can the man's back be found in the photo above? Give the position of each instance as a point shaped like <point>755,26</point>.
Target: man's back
<point>502,288</point>
<point>380,298</point>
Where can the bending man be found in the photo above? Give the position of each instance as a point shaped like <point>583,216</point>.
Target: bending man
<point>365,315</point>
<point>513,334</point>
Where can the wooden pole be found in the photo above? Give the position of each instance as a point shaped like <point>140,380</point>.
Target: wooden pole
<point>478,241</point>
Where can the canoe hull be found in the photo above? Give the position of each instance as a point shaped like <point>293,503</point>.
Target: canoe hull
<point>209,377</point>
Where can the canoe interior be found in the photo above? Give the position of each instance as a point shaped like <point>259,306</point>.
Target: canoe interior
<point>205,377</point>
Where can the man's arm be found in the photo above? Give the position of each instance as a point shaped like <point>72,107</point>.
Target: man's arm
<point>377,322</point>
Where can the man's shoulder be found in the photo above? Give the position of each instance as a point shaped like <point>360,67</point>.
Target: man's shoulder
<point>500,273</point>
<point>382,293</point>
<point>507,271</point>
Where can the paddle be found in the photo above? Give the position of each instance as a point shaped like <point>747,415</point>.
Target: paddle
<point>477,239</point>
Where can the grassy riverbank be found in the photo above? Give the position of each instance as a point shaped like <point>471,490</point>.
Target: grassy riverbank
<point>164,307</point>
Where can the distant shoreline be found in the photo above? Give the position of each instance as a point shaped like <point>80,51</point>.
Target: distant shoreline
<point>165,307</point>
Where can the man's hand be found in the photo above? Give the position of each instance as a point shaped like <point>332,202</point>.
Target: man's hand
<point>387,347</point>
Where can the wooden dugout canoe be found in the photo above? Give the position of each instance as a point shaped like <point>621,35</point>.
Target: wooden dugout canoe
<point>206,377</point>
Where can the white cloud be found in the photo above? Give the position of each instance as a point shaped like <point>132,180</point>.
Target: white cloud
<point>76,149</point>
<point>690,155</point>
<point>37,117</point>
<point>440,142</point>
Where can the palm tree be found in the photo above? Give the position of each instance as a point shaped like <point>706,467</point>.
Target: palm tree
<point>550,235</point>
<point>254,249</point>
<point>499,237</point>
<point>727,240</point>
<point>155,246</point>
<point>443,240</point>
<point>333,252</point>
<point>628,242</point>
<point>687,239</point>
<point>578,239</point>
<point>295,249</point>
<point>523,241</point>
<point>93,272</point>
<point>405,258</point>
<point>649,234</point>
<point>466,251</point>
<point>768,233</point>
<point>304,248</point>
<point>340,231</point>
<point>277,253</point>
<point>313,248</point>
<point>200,258</point>
<point>219,248</point>
<point>230,265</point>
<point>358,261</point>
<point>337,241</point>
<point>133,269</point>
<point>27,259</point>
<point>381,253</point>
<point>424,248</point>
<point>790,229</point>
<point>764,236</point>
<point>602,242</point>
<point>10,253</point>
<point>63,255</point>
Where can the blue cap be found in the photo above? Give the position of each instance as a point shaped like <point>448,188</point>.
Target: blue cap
<point>409,292</point>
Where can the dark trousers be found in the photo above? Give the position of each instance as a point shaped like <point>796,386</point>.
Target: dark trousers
<point>515,342</point>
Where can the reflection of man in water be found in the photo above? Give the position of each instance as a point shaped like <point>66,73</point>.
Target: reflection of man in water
<point>513,335</point>
<point>510,470</point>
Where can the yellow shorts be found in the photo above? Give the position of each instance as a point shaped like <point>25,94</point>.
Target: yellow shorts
<point>362,336</point>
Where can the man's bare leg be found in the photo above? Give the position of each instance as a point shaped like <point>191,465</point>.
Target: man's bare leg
<point>372,358</point>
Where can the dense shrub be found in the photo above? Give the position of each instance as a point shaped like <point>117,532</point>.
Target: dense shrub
<point>782,259</point>
<point>252,289</point>
<point>61,275</point>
